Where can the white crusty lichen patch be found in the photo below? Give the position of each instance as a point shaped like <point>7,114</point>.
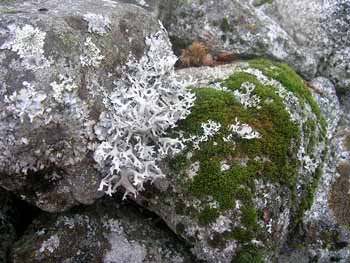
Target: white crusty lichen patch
<point>242,130</point>
<point>120,247</point>
<point>41,107</point>
<point>61,88</point>
<point>142,2</point>
<point>222,224</point>
<point>146,101</point>
<point>49,245</point>
<point>28,42</point>
<point>97,23</point>
<point>91,56</point>
<point>245,96</point>
<point>27,102</point>
<point>210,129</point>
<point>291,102</point>
<point>193,169</point>
<point>300,112</point>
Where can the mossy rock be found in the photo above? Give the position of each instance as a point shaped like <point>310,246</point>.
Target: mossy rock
<point>237,191</point>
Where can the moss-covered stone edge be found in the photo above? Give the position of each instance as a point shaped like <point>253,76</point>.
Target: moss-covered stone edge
<point>222,107</point>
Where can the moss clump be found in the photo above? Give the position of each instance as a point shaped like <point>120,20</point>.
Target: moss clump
<point>309,129</point>
<point>308,200</point>
<point>225,25</point>
<point>277,131</point>
<point>249,254</point>
<point>208,215</point>
<point>271,158</point>
<point>292,81</point>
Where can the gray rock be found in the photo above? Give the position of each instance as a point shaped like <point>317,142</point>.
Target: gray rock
<point>55,57</point>
<point>324,235</point>
<point>105,232</point>
<point>231,26</point>
<point>325,95</point>
<point>8,217</point>
<point>311,36</point>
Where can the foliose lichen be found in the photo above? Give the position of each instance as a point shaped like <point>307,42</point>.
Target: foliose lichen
<point>28,42</point>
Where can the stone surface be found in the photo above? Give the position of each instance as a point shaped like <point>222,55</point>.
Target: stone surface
<point>311,36</point>
<point>56,65</point>
<point>8,217</point>
<point>324,233</point>
<point>229,194</point>
<point>105,232</point>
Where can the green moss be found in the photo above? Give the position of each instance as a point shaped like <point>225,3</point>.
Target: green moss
<point>309,129</point>
<point>249,254</point>
<point>9,10</point>
<point>276,149</point>
<point>178,163</point>
<point>225,25</point>
<point>308,200</point>
<point>272,122</point>
<point>207,216</point>
<point>292,81</point>
<point>262,2</point>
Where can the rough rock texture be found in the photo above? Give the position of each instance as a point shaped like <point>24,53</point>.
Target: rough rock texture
<point>320,28</point>
<point>324,235</point>
<point>15,216</point>
<point>8,216</point>
<point>56,66</point>
<point>311,36</point>
<point>256,141</point>
<point>105,232</point>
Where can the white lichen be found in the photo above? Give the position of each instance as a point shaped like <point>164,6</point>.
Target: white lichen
<point>290,101</point>
<point>112,225</point>
<point>91,56</point>
<point>246,97</point>
<point>147,100</point>
<point>210,129</point>
<point>28,42</point>
<point>193,169</point>
<point>97,23</point>
<point>27,102</point>
<point>142,2</point>
<point>222,224</point>
<point>224,166</point>
<point>50,245</point>
<point>66,85</point>
<point>242,130</point>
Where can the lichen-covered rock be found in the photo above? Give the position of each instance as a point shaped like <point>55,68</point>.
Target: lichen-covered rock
<point>324,235</point>
<point>59,61</point>
<point>311,36</point>
<point>255,146</point>
<point>104,232</point>
<point>321,29</point>
<point>231,26</point>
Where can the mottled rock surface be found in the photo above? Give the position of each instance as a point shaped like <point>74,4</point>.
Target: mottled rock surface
<point>323,235</point>
<point>58,59</point>
<point>105,232</point>
<point>254,157</point>
<point>311,36</point>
